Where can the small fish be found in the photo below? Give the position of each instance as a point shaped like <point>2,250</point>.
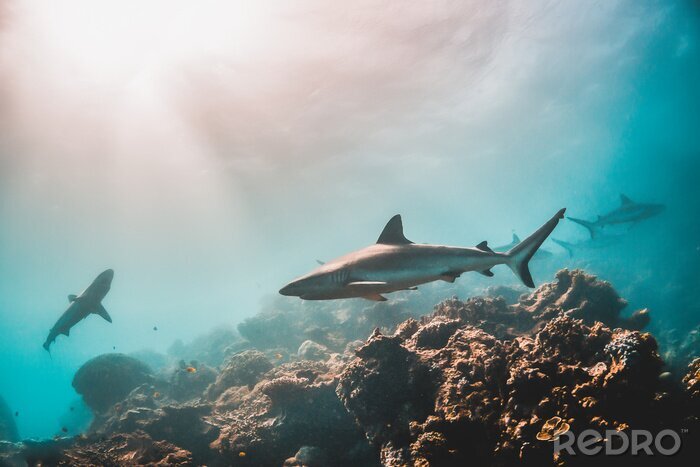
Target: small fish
<point>156,395</point>
<point>114,347</point>
<point>241,454</point>
<point>16,414</point>
<point>191,369</point>
<point>64,429</point>
<point>71,409</point>
<point>279,356</point>
<point>155,328</point>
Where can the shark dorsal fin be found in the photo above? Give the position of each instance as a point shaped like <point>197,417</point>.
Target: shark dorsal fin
<point>516,239</point>
<point>484,246</point>
<point>72,297</point>
<point>393,233</point>
<point>625,200</point>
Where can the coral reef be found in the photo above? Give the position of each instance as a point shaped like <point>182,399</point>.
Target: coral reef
<point>8,427</point>
<point>691,383</point>
<point>501,400</point>
<point>488,381</point>
<point>107,379</point>
<point>292,416</point>
<point>127,449</point>
<point>310,350</point>
<point>133,449</point>
<point>211,348</point>
<point>679,348</point>
<point>182,425</point>
<point>189,380</point>
<point>329,324</point>
<point>242,369</point>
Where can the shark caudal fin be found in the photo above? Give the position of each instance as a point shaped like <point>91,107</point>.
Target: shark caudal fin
<point>520,254</point>
<point>587,224</point>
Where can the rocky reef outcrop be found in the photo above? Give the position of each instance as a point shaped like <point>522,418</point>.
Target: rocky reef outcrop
<point>107,379</point>
<point>211,348</point>
<point>475,388</point>
<point>329,324</point>
<point>8,426</point>
<point>292,416</point>
<point>132,449</point>
<point>492,380</point>
<point>242,369</point>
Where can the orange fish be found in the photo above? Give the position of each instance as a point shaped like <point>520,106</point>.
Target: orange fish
<point>279,356</point>
<point>156,395</point>
<point>191,369</point>
<point>241,454</point>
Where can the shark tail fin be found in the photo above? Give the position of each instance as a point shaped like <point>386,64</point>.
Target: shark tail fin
<point>565,245</point>
<point>519,256</point>
<point>587,224</point>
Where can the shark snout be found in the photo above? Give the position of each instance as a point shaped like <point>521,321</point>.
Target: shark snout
<point>106,275</point>
<point>289,290</point>
<point>104,280</point>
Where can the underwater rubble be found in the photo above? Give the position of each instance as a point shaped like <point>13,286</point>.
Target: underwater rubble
<point>486,381</point>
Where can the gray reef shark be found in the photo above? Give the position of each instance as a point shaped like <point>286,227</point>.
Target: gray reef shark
<point>592,244</point>
<point>89,301</point>
<point>541,253</point>
<point>629,212</point>
<point>395,263</point>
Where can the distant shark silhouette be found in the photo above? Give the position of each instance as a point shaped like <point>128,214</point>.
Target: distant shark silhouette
<point>89,301</point>
<point>629,212</point>
<point>395,263</point>
<point>599,243</point>
<point>541,253</point>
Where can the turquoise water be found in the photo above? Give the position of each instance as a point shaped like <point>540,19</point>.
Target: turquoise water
<point>208,176</point>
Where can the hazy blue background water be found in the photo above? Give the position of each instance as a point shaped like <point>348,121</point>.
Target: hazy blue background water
<point>210,153</point>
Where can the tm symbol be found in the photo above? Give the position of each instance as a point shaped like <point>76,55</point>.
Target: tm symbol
<point>684,430</point>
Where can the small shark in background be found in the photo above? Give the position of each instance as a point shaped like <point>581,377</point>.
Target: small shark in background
<point>395,263</point>
<point>629,212</point>
<point>541,253</point>
<point>89,301</point>
<point>598,243</point>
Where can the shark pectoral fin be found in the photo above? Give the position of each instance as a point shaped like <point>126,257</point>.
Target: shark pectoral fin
<point>66,332</point>
<point>72,297</point>
<point>486,272</point>
<point>375,297</point>
<point>450,276</point>
<point>320,262</point>
<point>102,312</point>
